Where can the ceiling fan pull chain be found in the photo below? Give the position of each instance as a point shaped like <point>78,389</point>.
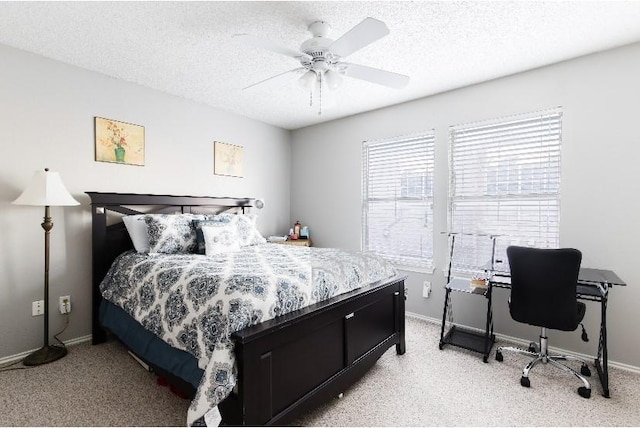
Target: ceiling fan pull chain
<point>320,103</point>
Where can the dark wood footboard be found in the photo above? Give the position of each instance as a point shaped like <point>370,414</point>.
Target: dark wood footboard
<point>289,366</point>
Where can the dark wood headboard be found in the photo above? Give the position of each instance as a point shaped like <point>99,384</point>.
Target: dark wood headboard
<point>110,237</point>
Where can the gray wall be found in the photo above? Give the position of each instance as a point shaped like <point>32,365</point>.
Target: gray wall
<point>600,181</point>
<point>46,117</point>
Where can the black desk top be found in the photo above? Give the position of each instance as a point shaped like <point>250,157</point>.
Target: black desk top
<point>599,276</point>
<point>589,281</point>
<point>585,276</point>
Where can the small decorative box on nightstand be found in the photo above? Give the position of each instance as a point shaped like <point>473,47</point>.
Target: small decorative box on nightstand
<point>298,242</point>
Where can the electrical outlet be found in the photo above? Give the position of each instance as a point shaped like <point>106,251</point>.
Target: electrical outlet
<point>65,304</point>
<point>426,289</point>
<point>37,308</point>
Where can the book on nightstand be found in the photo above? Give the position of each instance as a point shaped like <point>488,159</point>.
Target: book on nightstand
<point>296,242</point>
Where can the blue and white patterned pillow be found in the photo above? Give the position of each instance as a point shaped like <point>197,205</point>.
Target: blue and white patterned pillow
<point>247,231</point>
<point>220,238</point>
<point>248,234</point>
<point>171,233</point>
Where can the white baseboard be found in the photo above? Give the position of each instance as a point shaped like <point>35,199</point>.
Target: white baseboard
<point>525,343</point>
<point>517,340</point>
<point>16,357</point>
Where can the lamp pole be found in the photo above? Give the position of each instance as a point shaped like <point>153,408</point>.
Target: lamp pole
<point>47,225</point>
<point>46,190</point>
<point>47,353</point>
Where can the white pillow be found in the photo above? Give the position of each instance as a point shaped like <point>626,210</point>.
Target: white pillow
<point>137,228</point>
<point>220,238</point>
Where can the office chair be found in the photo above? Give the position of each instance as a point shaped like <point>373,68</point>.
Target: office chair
<point>543,294</point>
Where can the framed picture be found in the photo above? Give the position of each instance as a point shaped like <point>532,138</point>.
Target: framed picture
<point>119,142</point>
<point>228,159</point>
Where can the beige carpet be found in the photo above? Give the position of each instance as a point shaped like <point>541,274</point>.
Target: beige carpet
<point>102,386</point>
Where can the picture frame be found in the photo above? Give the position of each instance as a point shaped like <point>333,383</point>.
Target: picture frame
<point>228,159</point>
<point>118,142</point>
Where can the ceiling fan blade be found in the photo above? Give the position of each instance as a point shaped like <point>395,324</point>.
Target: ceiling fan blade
<point>268,45</point>
<point>273,77</point>
<point>375,75</point>
<point>363,34</point>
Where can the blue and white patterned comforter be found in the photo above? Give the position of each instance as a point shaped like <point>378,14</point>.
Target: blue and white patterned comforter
<point>194,302</point>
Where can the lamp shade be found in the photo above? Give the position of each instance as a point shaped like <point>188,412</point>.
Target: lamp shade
<point>46,189</point>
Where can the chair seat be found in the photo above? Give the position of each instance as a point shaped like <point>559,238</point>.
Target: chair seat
<point>549,320</point>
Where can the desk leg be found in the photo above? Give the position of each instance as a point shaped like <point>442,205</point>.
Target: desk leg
<point>488,332</point>
<point>601,362</point>
<point>444,317</point>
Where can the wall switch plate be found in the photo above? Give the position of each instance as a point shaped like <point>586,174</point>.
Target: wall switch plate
<point>426,289</point>
<point>64,303</point>
<point>37,308</point>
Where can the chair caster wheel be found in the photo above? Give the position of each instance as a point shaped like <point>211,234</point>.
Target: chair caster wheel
<point>485,359</point>
<point>524,381</point>
<point>499,356</point>
<point>440,346</point>
<point>584,392</point>
<point>532,347</point>
<point>584,370</point>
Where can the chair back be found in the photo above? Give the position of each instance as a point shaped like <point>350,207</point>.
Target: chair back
<point>543,286</point>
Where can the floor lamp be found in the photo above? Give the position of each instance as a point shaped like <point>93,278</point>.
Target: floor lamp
<point>46,190</point>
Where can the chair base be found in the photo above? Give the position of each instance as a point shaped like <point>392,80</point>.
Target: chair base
<point>540,354</point>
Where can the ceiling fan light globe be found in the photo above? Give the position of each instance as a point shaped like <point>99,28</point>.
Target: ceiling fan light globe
<point>333,79</point>
<point>307,79</point>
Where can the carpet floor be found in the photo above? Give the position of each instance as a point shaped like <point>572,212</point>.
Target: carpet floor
<point>103,386</point>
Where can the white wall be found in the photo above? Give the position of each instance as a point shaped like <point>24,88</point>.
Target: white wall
<point>47,111</point>
<point>600,181</point>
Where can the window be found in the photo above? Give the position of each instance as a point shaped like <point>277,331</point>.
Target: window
<point>397,220</point>
<point>505,181</point>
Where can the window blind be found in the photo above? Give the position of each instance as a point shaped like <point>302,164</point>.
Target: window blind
<point>505,181</point>
<point>397,219</point>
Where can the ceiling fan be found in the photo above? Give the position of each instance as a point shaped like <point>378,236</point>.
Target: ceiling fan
<point>322,59</point>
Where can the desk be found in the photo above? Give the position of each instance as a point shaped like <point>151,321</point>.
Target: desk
<point>593,285</point>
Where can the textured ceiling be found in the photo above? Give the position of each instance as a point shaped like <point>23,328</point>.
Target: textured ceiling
<point>186,48</point>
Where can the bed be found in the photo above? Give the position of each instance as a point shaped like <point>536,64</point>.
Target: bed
<point>295,359</point>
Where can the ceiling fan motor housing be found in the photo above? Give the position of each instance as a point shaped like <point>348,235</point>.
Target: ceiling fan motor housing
<point>317,48</point>
<point>319,29</point>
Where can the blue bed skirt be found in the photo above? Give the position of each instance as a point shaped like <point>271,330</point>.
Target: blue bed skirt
<point>148,346</point>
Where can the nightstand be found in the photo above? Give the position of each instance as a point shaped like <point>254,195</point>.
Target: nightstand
<point>297,242</point>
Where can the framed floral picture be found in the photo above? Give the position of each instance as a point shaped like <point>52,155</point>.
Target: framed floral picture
<point>228,159</point>
<point>119,142</point>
